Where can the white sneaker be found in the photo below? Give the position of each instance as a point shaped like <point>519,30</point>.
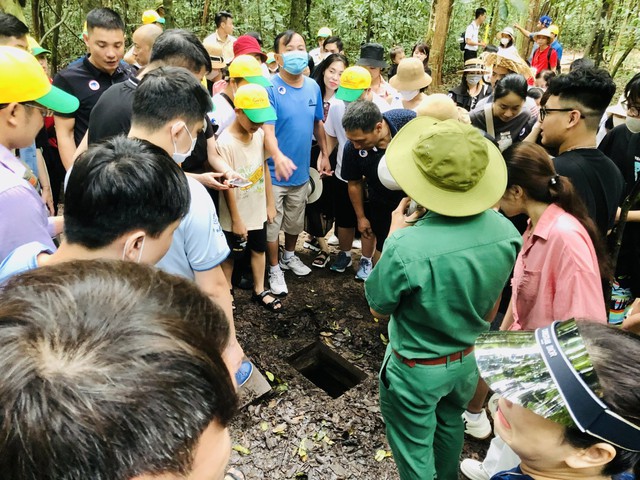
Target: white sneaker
<point>277,285</point>
<point>333,241</point>
<point>480,428</point>
<point>357,243</point>
<point>473,469</point>
<point>295,265</point>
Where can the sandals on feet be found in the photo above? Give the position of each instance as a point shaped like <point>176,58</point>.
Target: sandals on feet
<point>321,260</point>
<point>274,305</point>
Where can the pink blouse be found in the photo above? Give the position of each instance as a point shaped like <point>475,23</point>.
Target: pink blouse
<point>556,276</point>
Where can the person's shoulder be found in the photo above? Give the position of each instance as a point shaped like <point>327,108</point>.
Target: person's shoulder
<point>21,259</point>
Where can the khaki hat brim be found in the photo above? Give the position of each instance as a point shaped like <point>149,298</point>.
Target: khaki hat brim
<point>402,165</point>
<point>416,84</point>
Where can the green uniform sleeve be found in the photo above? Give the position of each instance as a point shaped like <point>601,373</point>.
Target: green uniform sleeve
<point>388,281</point>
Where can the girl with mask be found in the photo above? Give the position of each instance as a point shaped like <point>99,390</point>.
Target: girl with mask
<point>472,88</point>
<point>411,81</point>
<point>506,39</point>
<point>622,145</point>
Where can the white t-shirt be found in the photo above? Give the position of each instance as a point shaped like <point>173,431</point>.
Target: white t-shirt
<point>333,125</point>
<point>471,33</point>
<point>248,159</point>
<point>223,113</point>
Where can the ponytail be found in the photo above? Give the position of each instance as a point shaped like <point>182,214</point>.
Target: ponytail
<point>530,167</point>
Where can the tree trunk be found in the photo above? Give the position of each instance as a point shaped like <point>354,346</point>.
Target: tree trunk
<point>296,15</point>
<point>630,46</point>
<point>442,10</point>
<point>168,14</point>
<point>530,23</point>
<point>56,39</point>
<point>205,13</point>
<point>596,48</point>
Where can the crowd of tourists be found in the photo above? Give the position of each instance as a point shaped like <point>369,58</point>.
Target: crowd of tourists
<point>139,187</point>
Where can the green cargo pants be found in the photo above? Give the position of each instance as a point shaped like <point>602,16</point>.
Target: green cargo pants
<point>422,407</point>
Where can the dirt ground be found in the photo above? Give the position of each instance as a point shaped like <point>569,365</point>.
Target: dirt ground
<point>298,430</point>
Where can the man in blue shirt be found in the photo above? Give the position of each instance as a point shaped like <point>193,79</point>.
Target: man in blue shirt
<point>298,104</point>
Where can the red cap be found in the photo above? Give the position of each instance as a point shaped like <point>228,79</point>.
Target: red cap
<point>246,45</point>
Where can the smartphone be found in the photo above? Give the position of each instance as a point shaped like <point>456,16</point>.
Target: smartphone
<point>240,182</point>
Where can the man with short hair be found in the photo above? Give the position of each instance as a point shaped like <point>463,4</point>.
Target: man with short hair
<point>223,34</point>
<point>333,45</point>
<point>124,199</point>
<point>319,53</point>
<point>472,35</point>
<point>369,132</point>
<point>89,78</point>
<point>25,97</point>
<point>121,376</point>
<point>298,104</point>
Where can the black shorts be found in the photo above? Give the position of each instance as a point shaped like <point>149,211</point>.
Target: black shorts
<point>379,215</point>
<point>345,215</point>
<point>256,239</point>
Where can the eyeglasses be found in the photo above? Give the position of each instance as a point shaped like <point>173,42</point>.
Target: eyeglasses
<point>544,111</point>
<point>46,112</point>
<point>632,110</point>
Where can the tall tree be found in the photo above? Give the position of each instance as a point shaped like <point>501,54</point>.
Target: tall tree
<point>442,9</point>
<point>297,15</point>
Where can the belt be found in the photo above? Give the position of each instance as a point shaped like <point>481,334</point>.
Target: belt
<point>411,362</point>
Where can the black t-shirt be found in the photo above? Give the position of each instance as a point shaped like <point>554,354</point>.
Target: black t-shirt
<point>597,180</point>
<point>112,114</point>
<point>83,80</point>
<point>364,163</point>
<point>461,96</point>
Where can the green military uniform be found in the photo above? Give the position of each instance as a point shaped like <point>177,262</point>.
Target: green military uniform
<point>438,280</point>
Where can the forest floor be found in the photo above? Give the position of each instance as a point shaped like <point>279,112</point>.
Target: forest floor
<point>298,430</point>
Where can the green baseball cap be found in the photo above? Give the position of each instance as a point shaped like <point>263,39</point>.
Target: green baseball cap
<point>447,166</point>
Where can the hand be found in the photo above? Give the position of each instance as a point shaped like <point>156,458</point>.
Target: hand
<point>364,226</point>
<point>271,213</point>
<point>209,180</point>
<point>239,228</point>
<point>517,25</point>
<point>47,198</point>
<point>233,175</point>
<point>324,166</point>
<point>284,166</point>
<point>398,216</point>
<point>218,87</point>
<point>483,44</point>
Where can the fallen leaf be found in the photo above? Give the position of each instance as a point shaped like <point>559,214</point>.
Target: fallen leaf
<point>381,455</point>
<point>326,334</point>
<point>270,376</point>
<point>302,450</point>
<point>280,428</point>
<point>241,450</point>
<point>264,426</point>
<point>384,339</point>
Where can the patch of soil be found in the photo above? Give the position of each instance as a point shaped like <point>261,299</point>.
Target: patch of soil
<point>298,430</point>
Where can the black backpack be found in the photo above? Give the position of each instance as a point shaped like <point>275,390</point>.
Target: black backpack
<point>461,41</point>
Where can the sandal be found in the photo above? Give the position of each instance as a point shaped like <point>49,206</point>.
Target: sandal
<point>321,260</point>
<point>274,305</point>
<point>234,474</point>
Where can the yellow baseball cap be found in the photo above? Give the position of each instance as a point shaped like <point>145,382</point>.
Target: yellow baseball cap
<point>22,79</point>
<point>554,29</point>
<point>253,100</point>
<point>247,67</point>
<point>151,16</point>
<point>353,81</point>
<point>324,32</point>
<point>271,57</point>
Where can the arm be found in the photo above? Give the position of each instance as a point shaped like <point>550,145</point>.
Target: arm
<point>84,145</point>
<point>284,165</point>
<point>45,183</point>
<point>66,142</point>
<point>332,142</point>
<point>324,167</point>
<point>237,225</point>
<point>470,42</point>
<point>632,216</point>
<point>525,32</point>
<point>356,192</point>
<point>534,133</point>
<point>507,321</point>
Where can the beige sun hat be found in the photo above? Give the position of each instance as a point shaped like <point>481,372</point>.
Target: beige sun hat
<point>510,61</point>
<point>410,75</point>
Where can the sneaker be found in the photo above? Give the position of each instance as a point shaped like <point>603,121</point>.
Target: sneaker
<point>333,241</point>
<point>277,285</point>
<point>364,269</point>
<point>244,373</point>
<point>295,265</point>
<point>480,428</point>
<point>473,469</point>
<point>341,263</point>
<point>312,245</point>
<point>357,243</point>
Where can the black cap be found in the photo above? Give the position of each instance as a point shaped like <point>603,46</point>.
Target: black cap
<point>372,55</point>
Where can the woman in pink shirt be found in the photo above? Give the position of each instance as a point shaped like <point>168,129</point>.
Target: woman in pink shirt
<point>559,271</point>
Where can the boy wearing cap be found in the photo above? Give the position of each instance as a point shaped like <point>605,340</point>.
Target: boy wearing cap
<point>372,58</point>
<point>89,78</point>
<point>318,54</point>
<point>244,211</point>
<point>25,97</point>
<point>544,57</point>
<point>438,281</point>
<point>223,35</point>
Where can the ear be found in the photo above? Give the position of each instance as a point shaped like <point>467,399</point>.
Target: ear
<point>279,59</point>
<point>379,126</point>
<point>596,456</point>
<point>9,114</point>
<point>85,39</point>
<point>517,192</point>
<point>133,244</point>
<point>574,118</point>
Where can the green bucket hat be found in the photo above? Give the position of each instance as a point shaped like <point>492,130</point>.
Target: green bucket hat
<point>447,166</point>
<point>549,372</point>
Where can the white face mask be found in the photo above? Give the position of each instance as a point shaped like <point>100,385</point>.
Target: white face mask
<point>504,41</point>
<point>124,251</point>
<point>633,124</point>
<point>408,94</point>
<point>473,79</point>
<point>179,158</point>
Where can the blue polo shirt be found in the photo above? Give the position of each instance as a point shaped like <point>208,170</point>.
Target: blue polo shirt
<point>84,81</point>
<point>298,109</point>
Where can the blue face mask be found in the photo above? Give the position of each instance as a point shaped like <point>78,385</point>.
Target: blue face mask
<point>295,62</point>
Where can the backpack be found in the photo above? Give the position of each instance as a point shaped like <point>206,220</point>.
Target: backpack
<point>461,41</point>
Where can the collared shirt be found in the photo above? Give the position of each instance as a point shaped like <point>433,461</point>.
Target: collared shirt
<point>472,32</point>
<point>87,83</point>
<point>227,45</point>
<point>446,274</point>
<point>23,214</point>
<point>556,276</point>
